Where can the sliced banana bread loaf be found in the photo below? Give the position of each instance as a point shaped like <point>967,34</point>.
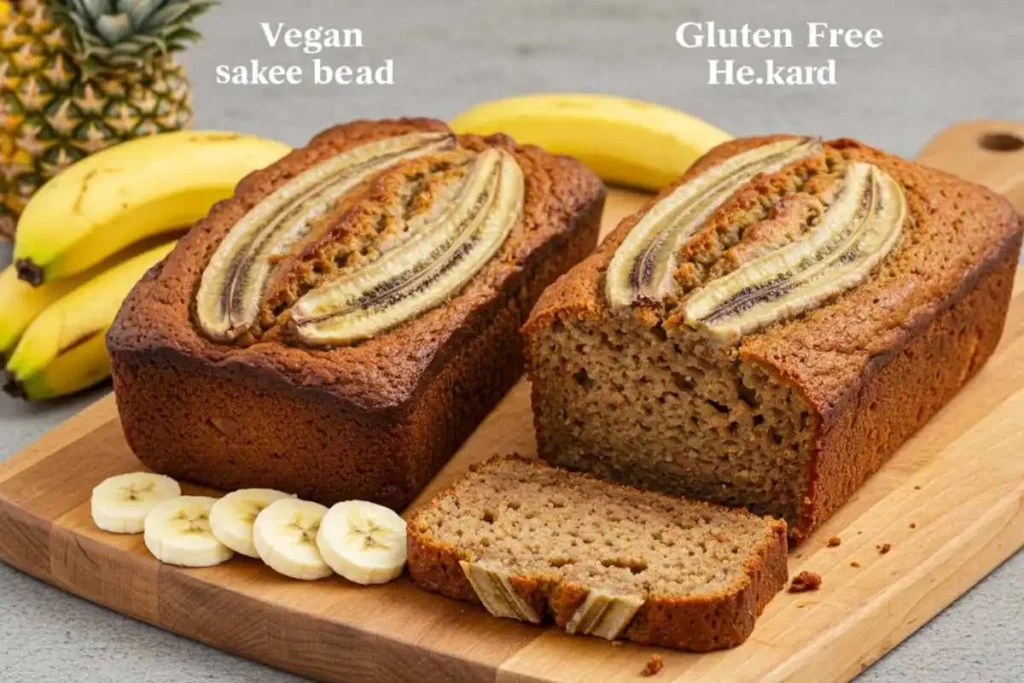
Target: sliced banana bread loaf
<point>530,541</point>
<point>771,328</point>
<point>347,318</point>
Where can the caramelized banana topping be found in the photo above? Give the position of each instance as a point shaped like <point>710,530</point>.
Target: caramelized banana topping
<point>643,264</point>
<point>858,230</point>
<point>457,240</point>
<point>236,277</point>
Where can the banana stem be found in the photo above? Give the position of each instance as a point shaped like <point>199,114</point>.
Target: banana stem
<point>29,272</point>
<point>12,387</point>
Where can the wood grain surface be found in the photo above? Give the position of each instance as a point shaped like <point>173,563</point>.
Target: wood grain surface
<point>949,503</point>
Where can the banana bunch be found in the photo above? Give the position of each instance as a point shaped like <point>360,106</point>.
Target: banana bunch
<point>91,233</point>
<point>626,142</point>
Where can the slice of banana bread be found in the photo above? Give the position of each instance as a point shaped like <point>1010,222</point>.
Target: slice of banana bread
<point>530,541</point>
<point>771,328</point>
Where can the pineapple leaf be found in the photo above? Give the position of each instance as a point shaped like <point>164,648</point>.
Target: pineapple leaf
<point>146,41</point>
<point>182,37</point>
<point>107,35</point>
<point>94,8</point>
<point>139,11</point>
<point>185,33</point>
<point>168,15</point>
<point>114,28</point>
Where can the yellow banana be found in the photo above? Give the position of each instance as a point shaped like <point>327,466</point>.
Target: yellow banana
<point>20,303</point>
<point>131,191</point>
<point>77,368</point>
<point>54,341</point>
<point>626,142</point>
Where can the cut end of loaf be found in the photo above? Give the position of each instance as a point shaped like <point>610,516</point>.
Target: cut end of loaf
<point>693,575</point>
<point>666,409</point>
<point>799,397</point>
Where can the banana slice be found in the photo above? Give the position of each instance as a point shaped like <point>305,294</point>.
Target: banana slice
<point>285,538</point>
<point>364,542</point>
<point>120,504</point>
<point>233,516</point>
<point>178,532</point>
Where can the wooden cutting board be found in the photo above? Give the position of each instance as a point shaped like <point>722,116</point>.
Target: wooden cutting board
<point>949,503</point>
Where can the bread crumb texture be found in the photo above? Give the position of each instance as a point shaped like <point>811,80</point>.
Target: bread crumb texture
<point>805,581</point>
<point>654,664</point>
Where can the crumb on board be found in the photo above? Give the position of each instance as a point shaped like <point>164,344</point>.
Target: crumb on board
<point>805,581</point>
<point>917,488</point>
<point>884,548</point>
<point>913,525</point>
<point>655,664</point>
<point>834,541</point>
<point>855,564</point>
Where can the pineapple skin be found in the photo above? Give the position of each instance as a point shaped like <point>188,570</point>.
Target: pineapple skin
<point>51,115</point>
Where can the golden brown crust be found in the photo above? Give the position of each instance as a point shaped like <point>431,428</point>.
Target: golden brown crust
<point>373,420</point>
<point>699,624</point>
<point>887,406</point>
<point>860,359</point>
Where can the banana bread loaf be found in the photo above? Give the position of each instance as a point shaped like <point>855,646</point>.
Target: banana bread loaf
<point>339,326</point>
<point>529,541</point>
<point>770,329</point>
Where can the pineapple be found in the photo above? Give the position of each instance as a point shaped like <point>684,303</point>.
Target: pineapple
<point>77,76</point>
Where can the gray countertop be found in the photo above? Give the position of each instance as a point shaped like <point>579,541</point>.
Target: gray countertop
<point>941,62</point>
